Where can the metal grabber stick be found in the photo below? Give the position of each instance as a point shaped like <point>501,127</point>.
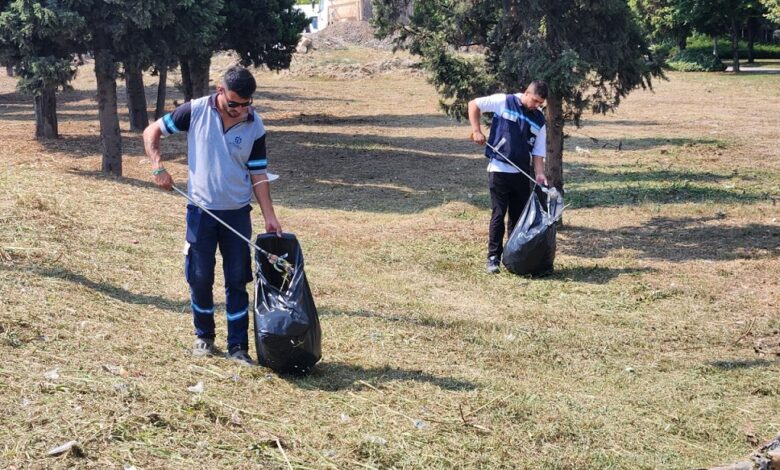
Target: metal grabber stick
<point>279,263</point>
<point>551,192</point>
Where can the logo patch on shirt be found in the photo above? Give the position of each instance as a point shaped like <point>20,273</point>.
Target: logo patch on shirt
<point>237,140</point>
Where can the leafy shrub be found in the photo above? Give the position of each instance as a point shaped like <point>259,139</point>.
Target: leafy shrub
<point>695,61</point>
<point>760,50</point>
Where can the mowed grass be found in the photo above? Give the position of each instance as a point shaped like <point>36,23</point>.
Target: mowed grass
<point>638,352</point>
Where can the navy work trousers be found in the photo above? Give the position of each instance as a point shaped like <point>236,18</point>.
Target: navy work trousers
<point>204,235</point>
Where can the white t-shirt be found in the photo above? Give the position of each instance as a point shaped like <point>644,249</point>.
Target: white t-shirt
<point>496,104</point>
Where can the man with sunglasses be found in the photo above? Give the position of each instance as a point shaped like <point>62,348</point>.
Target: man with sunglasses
<point>226,156</point>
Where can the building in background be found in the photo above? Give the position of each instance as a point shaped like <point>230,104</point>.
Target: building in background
<point>325,12</point>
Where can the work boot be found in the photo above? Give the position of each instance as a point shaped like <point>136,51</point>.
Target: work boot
<point>492,265</point>
<point>203,347</point>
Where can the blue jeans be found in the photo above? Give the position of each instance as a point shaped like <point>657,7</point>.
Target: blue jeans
<point>205,234</point>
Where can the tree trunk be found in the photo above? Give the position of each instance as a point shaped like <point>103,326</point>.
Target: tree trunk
<point>715,46</point>
<point>9,70</point>
<point>735,45</point>
<point>553,165</point>
<point>46,115</point>
<point>105,73</point>
<point>752,27</point>
<point>553,168</point>
<point>199,75</point>
<point>682,42</point>
<point>159,108</point>
<point>186,80</point>
<point>136,98</point>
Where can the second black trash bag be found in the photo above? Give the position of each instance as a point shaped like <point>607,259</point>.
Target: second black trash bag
<point>531,246</point>
<point>288,337</point>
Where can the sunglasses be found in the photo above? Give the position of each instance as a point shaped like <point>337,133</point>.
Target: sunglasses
<point>236,104</point>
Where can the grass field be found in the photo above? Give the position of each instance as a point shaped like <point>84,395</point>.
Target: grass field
<point>638,352</point>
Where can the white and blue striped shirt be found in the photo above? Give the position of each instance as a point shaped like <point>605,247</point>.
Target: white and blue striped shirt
<point>220,161</point>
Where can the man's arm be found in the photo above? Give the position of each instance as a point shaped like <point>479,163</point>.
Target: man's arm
<point>539,152</point>
<point>539,170</point>
<point>263,195</point>
<point>152,136</point>
<point>474,117</point>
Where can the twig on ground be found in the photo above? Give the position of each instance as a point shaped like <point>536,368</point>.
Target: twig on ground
<point>747,331</point>
<point>491,402</point>
<point>363,382</point>
<point>284,454</point>
<point>205,369</point>
<point>385,406</point>
<point>467,423</point>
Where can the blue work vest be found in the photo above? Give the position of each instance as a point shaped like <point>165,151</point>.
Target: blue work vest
<point>520,128</point>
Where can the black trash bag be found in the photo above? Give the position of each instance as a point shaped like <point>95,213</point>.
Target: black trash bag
<point>530,249</point>
<point>288,337</point>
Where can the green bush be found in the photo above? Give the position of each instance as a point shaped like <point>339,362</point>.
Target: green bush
<point>663,51</point>
<point>760,50</point>
<point>695,61</point>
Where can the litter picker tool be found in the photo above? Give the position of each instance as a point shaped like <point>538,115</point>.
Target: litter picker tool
<point>551,192</point>
<point>279,263</point>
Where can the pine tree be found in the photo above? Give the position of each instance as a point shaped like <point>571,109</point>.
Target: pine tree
<point>591,54</point>
<point>261,32</point>
<point>39,39</point>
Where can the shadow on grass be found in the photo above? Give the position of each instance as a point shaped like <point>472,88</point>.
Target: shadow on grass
<point>104,288</point>
<point>593,274</point>
<point>677,239</point>
<point>629,186</point>
<point>98,175</point>
<point>335,376</point>
<point>379,120</point>
<point>641,143</point>
<point>426,321</point>
<point>404,175</point>
<point>674,193</point>
<point>586,123</point>
<point>340,170</point>
<point>742,364</point>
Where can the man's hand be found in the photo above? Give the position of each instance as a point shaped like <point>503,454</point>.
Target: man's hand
<point>478,137</point>
<point>163,180</point>
<point>273,225</point>
<point>541,180</point>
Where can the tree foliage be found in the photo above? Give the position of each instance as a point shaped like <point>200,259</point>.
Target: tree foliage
<point>592,54</point>
<point>772,10</point>
<point>722,17</point>
<point>663,20</point>
<point>39,39</point>
<point>261,32</point>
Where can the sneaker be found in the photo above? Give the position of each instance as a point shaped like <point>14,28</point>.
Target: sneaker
<point>242,357</point>
<point>492,265</point>
<point>203,347</point>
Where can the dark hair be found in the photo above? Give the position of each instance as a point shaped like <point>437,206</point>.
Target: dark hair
<point>539,88</point>
<point>239,80</point>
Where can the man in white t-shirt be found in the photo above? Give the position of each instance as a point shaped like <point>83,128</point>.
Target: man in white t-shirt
<point>517,120</point>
